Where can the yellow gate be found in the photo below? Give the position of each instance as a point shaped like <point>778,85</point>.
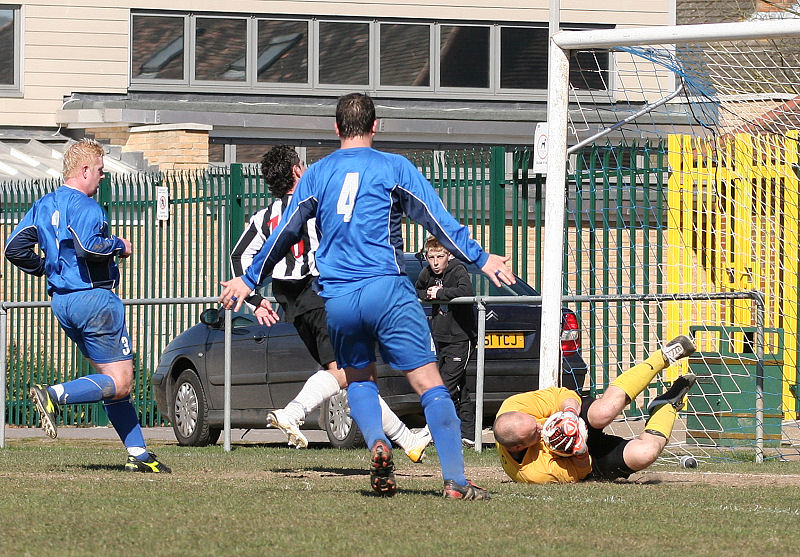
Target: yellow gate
<point>733,225</point>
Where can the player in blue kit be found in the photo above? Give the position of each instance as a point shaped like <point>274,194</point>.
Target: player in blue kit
<point>359,196</point>
<point>79,261</point>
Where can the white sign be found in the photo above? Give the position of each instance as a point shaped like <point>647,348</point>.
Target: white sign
<point>162,203</point>
<point>540,148</point>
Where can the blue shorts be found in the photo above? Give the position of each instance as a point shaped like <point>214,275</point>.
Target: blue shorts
<point>386,311</point>
<point>95,321</point>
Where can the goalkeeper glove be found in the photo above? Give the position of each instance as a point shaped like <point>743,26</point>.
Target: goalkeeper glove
<point>565,433</point>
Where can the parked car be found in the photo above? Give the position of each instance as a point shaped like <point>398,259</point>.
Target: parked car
<point>270,364</point>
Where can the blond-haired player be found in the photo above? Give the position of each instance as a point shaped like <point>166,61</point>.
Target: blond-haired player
<point>80,263</point>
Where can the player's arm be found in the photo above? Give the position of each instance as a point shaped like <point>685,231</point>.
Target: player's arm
<point>571,404</point>
<point>92,239</point>
<point>19,247</point>
<point>286,234</point>
<point>421,203</point>
<point>248,245</point>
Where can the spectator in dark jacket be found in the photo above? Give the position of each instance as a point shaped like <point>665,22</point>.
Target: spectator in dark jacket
<point>453,326</point>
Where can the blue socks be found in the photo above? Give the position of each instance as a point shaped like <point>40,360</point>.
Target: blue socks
<point>94,388</point>
<point>89,388</point>
<point>440,413</point>
<point>366,411</point>
<point>126,422</point>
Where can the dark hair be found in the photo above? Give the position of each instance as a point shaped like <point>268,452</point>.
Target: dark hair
<point>276,168</point>
<point>355,114</point>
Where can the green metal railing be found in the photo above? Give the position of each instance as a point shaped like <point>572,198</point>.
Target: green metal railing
<point>615,192</point>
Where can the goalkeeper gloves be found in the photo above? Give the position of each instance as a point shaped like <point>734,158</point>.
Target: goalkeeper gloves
<point>565,433</point>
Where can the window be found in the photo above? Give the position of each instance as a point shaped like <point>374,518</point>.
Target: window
<point>282,51</point>
<point>299,55</point>
<point>343,53</point>
<point>523,58</point>
<point>157,50</point>
<point>464,56</point>
<point>220,52</point>
<point>405,55</point>
<point>9,50</point>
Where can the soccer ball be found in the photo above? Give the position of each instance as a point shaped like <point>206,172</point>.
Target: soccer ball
<point>688,461</point>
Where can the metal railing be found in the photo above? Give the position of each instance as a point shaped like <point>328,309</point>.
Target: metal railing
<point>481,303</point>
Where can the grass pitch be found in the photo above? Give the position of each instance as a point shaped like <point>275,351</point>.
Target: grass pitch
<point>70,497</point>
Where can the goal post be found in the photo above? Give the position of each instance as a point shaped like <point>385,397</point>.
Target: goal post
<point>722,103</point>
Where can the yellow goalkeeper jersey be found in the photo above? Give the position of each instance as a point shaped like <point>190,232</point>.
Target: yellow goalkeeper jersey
<point>539,464</point>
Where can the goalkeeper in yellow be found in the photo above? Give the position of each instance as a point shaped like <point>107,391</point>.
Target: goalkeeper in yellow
<point>555,435</point>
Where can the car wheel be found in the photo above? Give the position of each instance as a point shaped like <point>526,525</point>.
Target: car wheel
<point>343,433</point>
<point>190,409</point>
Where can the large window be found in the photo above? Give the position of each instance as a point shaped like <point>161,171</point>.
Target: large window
<point>9,50</point>
<point>305,55</point>
<point>220,49</point>
<point>343,53</point>
<point>464,56</point>
<point>282,51</point>
<point>523,58</point>
<point>157,49</point>
<point>405,55</point>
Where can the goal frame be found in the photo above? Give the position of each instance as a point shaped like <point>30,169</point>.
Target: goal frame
<point>561,43</point>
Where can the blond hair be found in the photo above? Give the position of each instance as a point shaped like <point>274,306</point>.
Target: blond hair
<point>80,154</point>
<point>432,244</point>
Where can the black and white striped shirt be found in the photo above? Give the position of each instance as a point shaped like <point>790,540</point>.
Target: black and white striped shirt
<point>298,263</point>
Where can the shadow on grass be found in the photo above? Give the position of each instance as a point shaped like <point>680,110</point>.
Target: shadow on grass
<point>312,446</point>
<point>402,491</point>
<point>99,467</point>
<point>323,471</point>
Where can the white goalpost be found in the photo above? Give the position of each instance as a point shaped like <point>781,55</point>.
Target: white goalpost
<point>686,154</point>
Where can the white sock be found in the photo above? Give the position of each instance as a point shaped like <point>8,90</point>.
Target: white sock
<point>319,387</point>
<point>137,452</point>
<point>394,428</point>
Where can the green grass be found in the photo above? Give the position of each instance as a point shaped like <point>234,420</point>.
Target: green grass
<point>72,498</point>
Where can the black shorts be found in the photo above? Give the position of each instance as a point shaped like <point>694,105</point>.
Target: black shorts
<point>313,330</point>
<point>606,450</point>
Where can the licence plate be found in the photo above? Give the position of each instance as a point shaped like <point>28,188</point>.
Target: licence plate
<point>505,340</point>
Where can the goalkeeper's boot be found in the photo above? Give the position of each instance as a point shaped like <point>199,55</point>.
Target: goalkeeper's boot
<point>677,349</point>
<point>469,492</point>
<point>421,441</point>
<point>47,407</point>
<point>675,395</point>
<point>288,425</point>
<point>381,469</point>
<point>149,466</point>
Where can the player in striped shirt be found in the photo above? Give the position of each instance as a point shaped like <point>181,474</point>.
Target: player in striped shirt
<point>292,285</point>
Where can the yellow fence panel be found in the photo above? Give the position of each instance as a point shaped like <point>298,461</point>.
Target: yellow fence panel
<point>733,225</point>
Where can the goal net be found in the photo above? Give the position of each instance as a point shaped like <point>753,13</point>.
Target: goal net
<point>681,216</point>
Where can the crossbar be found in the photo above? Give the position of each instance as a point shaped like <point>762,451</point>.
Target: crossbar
<point>677,34</point>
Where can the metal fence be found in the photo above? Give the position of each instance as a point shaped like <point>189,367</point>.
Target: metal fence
<point>493,191</point>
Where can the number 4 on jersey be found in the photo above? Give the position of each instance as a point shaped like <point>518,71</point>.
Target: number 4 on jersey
<point>347,197</point>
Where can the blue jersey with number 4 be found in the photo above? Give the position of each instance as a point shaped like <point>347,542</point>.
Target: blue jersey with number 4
<point>72,230</point>
<point>359,197</point>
